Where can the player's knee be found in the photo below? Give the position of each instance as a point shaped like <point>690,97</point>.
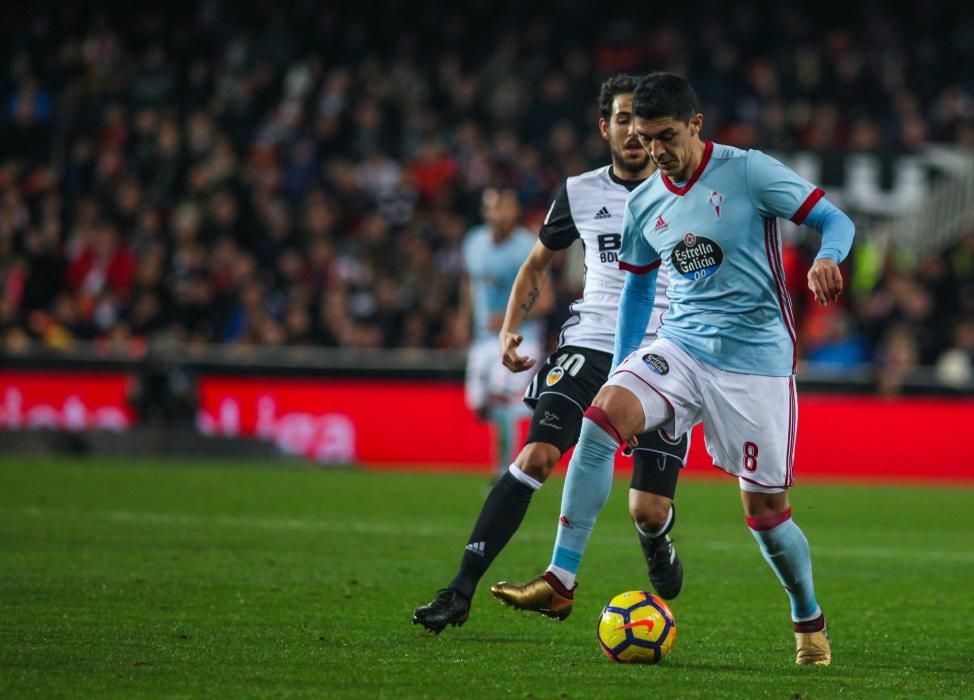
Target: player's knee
<point>760,505</point>
<point>649,512</point>
<point>622,409</point>
<point>538,460</point>
<point>608,399</point>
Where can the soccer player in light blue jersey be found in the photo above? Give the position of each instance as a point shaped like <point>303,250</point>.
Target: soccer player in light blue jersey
<point>725,353</point>
<point>492,256</point>
<point>588,208</point>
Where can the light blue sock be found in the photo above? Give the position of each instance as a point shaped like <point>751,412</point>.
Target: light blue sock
<point>785,548</point>
<point>587,489</point>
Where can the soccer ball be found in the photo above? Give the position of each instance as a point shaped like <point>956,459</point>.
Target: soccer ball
<point>636,628</point>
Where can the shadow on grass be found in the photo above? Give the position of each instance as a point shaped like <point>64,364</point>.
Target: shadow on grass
<point>520,641</point>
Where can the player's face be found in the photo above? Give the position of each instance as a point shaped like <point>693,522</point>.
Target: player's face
<point>500,208</point>
<point>627,153</point>
<point>673,145</point>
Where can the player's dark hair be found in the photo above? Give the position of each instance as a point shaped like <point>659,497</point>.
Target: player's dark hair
<point>616,85</point>
<point>661,95</point>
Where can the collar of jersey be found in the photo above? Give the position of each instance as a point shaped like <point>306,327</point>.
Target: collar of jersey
<point>683,189</point>
<point>628,184</point>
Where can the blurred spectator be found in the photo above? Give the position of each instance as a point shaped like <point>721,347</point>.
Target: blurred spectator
<point>959,261</point>
<point>831,340</point>
<point>955,366</point>
<point>897,356</point>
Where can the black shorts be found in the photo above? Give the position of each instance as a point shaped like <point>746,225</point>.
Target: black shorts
<point>559,394</point>
<point>561,391</point>
<point>656,463</point>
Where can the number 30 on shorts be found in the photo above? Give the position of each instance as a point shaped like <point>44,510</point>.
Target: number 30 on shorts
<point>570,363</point>
<point>750,456</point>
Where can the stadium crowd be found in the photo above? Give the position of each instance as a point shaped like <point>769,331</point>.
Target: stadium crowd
<point>256,173</point>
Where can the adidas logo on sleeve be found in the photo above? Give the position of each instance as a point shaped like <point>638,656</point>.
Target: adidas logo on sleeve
<point>603,213</point>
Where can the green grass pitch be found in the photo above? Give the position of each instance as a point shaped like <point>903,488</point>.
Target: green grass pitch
<point>184,579</point>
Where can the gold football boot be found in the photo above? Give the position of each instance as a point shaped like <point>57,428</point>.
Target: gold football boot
<point>544,594</point>
<point>813,648</point>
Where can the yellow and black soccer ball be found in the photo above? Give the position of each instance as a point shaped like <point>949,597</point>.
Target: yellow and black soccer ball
<point>636,627</point>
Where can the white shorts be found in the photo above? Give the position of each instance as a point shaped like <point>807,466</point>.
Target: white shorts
<point>749,420</point>
<point>487,378</point>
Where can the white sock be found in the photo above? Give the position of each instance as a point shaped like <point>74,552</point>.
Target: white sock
<point>566,577</point>
<point>657,533</point>
<point>814,616</point>
<point>524,478</point>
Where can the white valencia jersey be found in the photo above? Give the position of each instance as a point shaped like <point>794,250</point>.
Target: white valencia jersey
<point>590,207</point>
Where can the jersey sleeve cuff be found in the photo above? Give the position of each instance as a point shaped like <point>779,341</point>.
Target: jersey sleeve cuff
<point>638,269</point>
<point>810,201</point>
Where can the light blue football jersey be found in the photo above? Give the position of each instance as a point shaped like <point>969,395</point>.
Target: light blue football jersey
<point>717,235</point>
<point>492,268</point>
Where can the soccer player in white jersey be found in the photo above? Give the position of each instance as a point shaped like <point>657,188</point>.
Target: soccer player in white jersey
<point>726,351</point>
<point>588,207</point>
<point>492,255</point>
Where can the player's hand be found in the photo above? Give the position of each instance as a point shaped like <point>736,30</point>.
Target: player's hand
<point>631,444</point>
<point>825,280</point>
<point>514,362</point>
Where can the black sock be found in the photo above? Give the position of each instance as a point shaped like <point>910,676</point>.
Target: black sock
<point>499,519</point>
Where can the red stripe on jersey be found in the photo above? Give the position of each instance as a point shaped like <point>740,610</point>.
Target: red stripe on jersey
<point>638,269</point>
<point>809,203</point>
<point>776,248</point>
<point>784,301</point>
<point>601,419</point>
<point>708,149</point>
<point>769,522</point>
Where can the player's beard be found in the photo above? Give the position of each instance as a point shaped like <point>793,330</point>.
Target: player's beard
<point>628,164</point>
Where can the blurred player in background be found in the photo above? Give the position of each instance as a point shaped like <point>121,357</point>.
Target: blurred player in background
<point>492,254</point>
<point>726,351</point>
<point>588,207</point>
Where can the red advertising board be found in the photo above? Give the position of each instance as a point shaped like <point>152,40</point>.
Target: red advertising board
<point>424,424</point>
<point>331,420</point>
<point>64,401</point>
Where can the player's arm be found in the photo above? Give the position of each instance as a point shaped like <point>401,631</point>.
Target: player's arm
<point>635,308</point>
<point>779,191</point>
<point>530,298</point>
<point>639,291</point>
<point>837,229</point>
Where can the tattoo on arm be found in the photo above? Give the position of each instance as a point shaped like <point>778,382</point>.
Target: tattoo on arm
<point>532,297</point>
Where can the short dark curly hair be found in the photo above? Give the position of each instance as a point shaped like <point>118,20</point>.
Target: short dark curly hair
<point>616,85</point>
<point>660,95</point>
